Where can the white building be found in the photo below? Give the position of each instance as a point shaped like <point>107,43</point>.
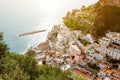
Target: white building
<point>89,38</point>
<point>99,57</point>
<point>104,41</point>
<point>114,36</point>
<point>119,67</point>
<point>65,67</point>
<point>74,50</point>
<point>112,52</point>
<point>111,74</point>
<point>103,64</point>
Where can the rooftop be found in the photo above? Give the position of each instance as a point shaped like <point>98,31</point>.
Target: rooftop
<point>83,72</point>
<point>111,71</point>
<point>75,47</point>
<point>104,63</point>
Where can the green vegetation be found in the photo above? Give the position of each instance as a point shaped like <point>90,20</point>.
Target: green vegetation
<point>114,66</point>
<point>53,73</point>
<point>77,77</point>
<point>31,52</point>
<point>3,47</point>
<point>114,61</point>
<point>80,19</point>
<point>93,66</point>
<point>14,66</point>
<point>84,42</point>
<point>107,18</point>
<point>96,19</point>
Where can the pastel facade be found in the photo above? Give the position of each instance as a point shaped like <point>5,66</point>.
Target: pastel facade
<point>111,74</point>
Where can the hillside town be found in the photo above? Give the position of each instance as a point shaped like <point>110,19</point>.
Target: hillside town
<point>71,50</point>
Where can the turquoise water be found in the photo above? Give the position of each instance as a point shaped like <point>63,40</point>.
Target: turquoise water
<point>20,44</point>
<point>19,16</point>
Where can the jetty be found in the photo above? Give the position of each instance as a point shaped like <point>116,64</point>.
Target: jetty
<point>30,33</point>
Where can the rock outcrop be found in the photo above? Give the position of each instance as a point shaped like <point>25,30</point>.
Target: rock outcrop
<point>44,46</point>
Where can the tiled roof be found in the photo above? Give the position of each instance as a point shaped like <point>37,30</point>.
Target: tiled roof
<point>116,71</point>
<point>114,77</point>
<point>104,63</point>
<point>110,72</point>
<point>82,73</point>
<point>99,78</point>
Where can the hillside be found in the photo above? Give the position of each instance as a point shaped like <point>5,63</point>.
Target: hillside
<point>97,19</point>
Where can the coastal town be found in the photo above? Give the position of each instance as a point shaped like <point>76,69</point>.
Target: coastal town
<point>60,40</point>
<point>71,50</point>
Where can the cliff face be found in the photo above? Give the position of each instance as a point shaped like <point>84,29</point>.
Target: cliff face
<point>44,46</point>
<point>52,35</point>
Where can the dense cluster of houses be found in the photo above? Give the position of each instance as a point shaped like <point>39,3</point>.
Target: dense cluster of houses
<point>110,45</point>
<point>83,72</point>
<point>108,74</point>
<point>77,57</point>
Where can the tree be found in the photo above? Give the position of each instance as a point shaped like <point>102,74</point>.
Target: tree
<point>3,47</point>
<point>15,66</point>
<point>77,77</point>
<point>3,53</point>
<point>6,64</point>
<point>30,52</point>
<point>29,65</point>
<point>107,18</point>
<point>15,74</point>
<point>80,19</point>
<point>48,72</point>
<point>14,63</point>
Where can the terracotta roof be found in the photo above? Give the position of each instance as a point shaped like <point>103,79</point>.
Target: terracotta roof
<point>111,71</point>
<point>104,63</point>
<point>95,53</point>
<point>82,57</point>
<point>81,73</point>
<point>108,71</point>
<point>116,71</point>
<point>104,70</point>
<point>99,78</point>
<point>114,77</point>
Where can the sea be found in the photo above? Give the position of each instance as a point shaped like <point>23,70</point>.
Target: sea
<point>21,16</point>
